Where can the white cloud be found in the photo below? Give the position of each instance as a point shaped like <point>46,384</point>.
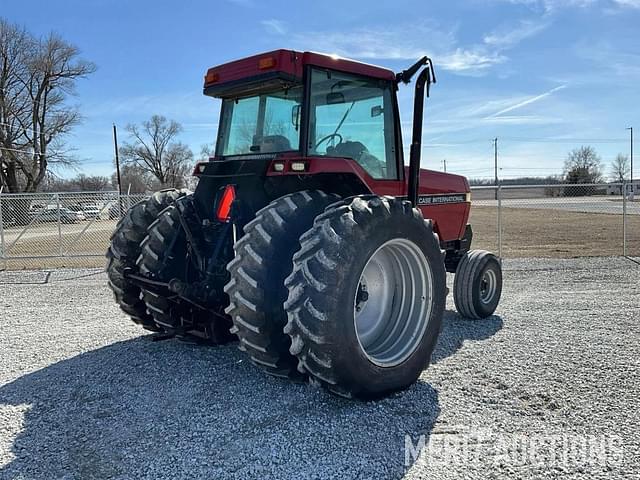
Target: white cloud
<point>526,102</point>
<point>523,120</point>
<point>509,37</point>
<point>614,61</point>
<point>628,3</point>
<point>274,26</point>
<point>402,42</point>
<point>462,60</point>
<point>552,5</point>
<point>406,42</point>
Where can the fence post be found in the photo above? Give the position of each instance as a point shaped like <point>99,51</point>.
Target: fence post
<point>624,219</point>
<point>2,246</point>
<point>59,225</point>
<point>499,197</point>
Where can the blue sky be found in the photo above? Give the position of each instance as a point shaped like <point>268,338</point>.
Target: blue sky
<point>544,76</point>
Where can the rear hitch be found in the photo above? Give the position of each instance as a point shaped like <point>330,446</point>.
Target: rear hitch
<point>155,286</point>
<point>197,294</point>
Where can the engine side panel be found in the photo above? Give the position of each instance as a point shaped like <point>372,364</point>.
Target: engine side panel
<point>442,196</point>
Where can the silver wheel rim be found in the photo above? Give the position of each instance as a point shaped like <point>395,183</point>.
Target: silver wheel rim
<point>392,303</point>
<point>488,285</point>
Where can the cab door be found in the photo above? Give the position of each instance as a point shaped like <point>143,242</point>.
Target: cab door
<point>355,117</point>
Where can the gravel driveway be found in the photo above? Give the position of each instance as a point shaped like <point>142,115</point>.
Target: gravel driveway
<point>85,394</point>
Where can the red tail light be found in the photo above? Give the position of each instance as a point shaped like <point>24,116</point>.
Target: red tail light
<point>224,207</point>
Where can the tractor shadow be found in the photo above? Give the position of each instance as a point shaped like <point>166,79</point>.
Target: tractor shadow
<point>144,409</point>
<point>457,329</point>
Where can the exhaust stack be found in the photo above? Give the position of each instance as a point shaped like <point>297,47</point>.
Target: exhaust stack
<point>424,81</point>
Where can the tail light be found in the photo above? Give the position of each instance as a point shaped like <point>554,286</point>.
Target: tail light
<point>226,201</point>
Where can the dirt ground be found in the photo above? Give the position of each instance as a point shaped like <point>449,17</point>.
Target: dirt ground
<point>83,245</point>
<point>527,232</point>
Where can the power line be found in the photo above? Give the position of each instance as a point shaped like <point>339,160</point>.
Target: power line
<point>444,143</point>
<point>20,128</point>
<point>20,151</point>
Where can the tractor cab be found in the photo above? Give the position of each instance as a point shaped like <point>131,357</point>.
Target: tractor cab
<point>311,105</point>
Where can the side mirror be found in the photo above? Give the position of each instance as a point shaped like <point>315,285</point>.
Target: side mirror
<point>295,116</point>
<point>334,98</point>
<point>376,111</point>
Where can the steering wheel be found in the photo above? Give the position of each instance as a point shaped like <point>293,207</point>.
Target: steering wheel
<point>326,138</point>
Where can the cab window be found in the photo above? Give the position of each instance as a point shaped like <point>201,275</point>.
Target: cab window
<point>260,123</point>
<point>353,117</point>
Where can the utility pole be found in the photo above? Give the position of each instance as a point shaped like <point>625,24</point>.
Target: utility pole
<point>631,142</point>
<point>495,161</point>
<point>115,146</point>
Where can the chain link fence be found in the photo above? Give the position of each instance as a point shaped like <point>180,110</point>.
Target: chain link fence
<point>558,221</point>
<point>48,230</point>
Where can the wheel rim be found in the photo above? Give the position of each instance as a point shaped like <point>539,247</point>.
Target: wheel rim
<point>392,304</point>
<point>488,285</point>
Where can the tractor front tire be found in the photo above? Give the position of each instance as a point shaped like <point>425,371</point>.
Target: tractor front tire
<point>366,297</point>
<point>124,251</point>
<point>477,284</point>
<point>256,290</point>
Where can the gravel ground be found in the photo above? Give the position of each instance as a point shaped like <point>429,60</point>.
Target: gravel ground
<point>84,394</point>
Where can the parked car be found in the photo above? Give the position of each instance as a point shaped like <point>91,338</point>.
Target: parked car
<point>89,211</point>
<point>52,215</point>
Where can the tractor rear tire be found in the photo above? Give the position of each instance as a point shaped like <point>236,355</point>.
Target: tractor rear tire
<point>366,297</point>
<point>256,289</point>
<point>124,250</point>
<point>477,284</point>
<point>162,258</point>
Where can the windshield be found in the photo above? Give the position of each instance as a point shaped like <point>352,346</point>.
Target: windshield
<point>265,123</point>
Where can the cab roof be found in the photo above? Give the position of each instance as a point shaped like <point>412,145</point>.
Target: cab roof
<point>279,67</point>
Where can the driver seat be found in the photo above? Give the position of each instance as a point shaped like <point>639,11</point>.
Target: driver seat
<point>273,143</point>
<point>360,154</point>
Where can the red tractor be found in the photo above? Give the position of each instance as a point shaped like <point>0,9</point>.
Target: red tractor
<point>307,237</point>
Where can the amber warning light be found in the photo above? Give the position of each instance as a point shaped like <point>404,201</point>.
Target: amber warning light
<point>211,77</point>
<point>266,62</point>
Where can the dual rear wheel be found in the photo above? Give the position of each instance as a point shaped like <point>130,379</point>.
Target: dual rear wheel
<point>349,294</point>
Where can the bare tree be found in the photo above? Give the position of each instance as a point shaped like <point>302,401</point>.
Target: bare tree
<point>583,165</point>
<point>135,180</point>
<point>620,168</point>
<point>91,183</point>
<point>37,76</point>
<point>207,150</point>
<point>152,148</point>
<point>80,183</point>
